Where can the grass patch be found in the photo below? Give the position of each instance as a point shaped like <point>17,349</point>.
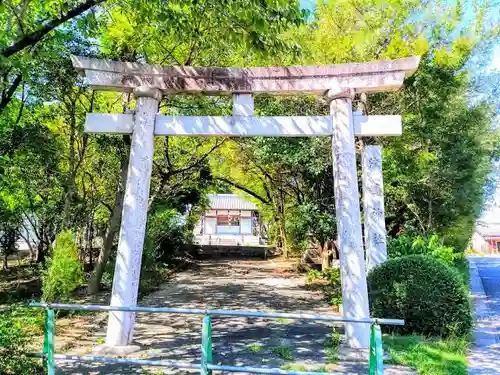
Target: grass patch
<point>284,321</point>
<point>332,347</point>
<point>293,367</point>
<point>300,367</point>
<point>429,356</point>
<point>154,372</point>
<point>255,348</point>
<point>283,352</point>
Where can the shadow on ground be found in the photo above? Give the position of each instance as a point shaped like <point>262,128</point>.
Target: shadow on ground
<point>252,285</point>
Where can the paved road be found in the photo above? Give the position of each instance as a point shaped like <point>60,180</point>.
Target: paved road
<point>485,284</point>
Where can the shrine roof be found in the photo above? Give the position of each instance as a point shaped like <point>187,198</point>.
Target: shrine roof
<point>230,202</point>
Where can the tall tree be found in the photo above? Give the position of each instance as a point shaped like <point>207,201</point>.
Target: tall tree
<point>26,25</point>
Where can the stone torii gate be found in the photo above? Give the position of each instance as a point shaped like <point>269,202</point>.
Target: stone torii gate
<point>339,83</point>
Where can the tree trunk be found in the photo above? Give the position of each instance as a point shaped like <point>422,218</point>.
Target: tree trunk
<point>5,264</point>
<point>91,244</point>
<point>40,250</point>
<point>70,180</point>
<point>113,227</point>
<point>336,250</point>
<point>8,94</point>
<point>30,246</point>
<point>41,253</point>
<point>282,224</point>
<point>283,237</point>
<point>325,257</point>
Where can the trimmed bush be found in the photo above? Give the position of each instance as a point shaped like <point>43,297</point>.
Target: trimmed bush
<point>418,245</point>
<point>423,291</point>
<point>64,272</point>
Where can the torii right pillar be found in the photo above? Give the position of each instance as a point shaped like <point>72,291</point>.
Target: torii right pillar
<point>348,216</point>
<point>373,206</point>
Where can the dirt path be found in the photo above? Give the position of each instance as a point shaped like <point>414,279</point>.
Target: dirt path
<point>253,285</point>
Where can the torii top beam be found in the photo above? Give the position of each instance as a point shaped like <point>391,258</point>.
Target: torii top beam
<point>373,76</point>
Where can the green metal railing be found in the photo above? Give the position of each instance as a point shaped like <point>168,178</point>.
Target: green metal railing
<point>205,367</point>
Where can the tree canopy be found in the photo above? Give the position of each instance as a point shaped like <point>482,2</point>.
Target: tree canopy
<point>54,177</point>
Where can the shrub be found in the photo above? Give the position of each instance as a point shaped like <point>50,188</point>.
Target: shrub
<point>330,275</point>
<point>423,291</point>
<point>313,275</point>
<point>329,283</point>
<point>64,271</point>
<point>418,245</point>
<point>166,235</point>
<point>17,326</point>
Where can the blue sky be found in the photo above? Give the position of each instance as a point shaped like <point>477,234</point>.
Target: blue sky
<point>495,61</point>
<point>308,4</point>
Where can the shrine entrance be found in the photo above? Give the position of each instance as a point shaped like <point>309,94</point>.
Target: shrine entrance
<point>338,83</point>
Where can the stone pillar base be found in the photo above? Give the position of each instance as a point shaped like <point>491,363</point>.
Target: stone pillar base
<point>116,350</point>
<point>353,354</point>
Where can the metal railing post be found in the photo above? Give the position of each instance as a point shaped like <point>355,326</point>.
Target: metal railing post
<point>376,351</point>
<point>206,345</point>
<point>48,342</point>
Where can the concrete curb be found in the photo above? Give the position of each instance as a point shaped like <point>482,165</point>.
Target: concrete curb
<point>482,315</point>
<point>118,350</point>
<point>477,289</point>
<point>484,354</point>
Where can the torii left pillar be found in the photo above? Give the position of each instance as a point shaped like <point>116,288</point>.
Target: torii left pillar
<point>134,215</point>
<point>348,217</point>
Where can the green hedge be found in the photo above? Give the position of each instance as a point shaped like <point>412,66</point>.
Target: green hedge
<point>423,291</point>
